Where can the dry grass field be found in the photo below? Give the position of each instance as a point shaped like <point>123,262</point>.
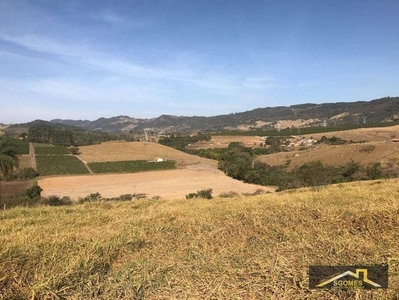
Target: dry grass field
<point>385,153</point>
<point>173,184</point>
<point>257,247</point>
<point>121,151</point>
<point>378,134</point>
<point>224,141</point>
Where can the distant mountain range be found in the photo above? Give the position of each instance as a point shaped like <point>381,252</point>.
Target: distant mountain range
<point>379,110</point>
<point>302,115</point>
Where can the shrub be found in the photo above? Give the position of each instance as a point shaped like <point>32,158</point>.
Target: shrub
<point>191,196</point>
<point>74,150</point>
<point>33,192</point>
<point>56,201</point>
<point>229,195</point>
<point>126,197</point>
<point>10,177</point>
<point>90,198</point>
<point>27,173</point>
<point>17,200</point>
<point>205,193</point>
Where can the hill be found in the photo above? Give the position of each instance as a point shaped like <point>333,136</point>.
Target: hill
<point>375,111</point>
<point>257,247</point>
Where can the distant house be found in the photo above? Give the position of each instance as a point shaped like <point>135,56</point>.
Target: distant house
<point>159,159</point>
<point>395,140</point>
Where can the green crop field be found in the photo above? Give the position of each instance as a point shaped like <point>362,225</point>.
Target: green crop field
<point>60,165</point>
<point>22,146</point>
<point>47,149</point>
<point>131,166</point>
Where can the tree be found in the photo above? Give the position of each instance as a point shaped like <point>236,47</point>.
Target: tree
<point>237,161</point>
<point>8,158</point>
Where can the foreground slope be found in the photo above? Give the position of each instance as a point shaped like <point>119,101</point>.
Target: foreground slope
<point>258,247</point>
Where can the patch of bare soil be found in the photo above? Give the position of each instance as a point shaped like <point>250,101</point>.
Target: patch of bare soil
<point>13,187</point>
<point>173,184</point>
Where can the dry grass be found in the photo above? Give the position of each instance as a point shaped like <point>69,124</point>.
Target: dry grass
<point>242,248</point>
<point>378,134</point>
<point>122,151</point>
<point>224,141</point>
<point>385,153</point>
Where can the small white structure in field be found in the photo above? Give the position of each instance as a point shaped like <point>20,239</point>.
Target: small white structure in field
<point>159,159</point>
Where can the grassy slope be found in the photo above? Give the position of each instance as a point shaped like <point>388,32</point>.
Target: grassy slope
<point>385,153</point>
<point>243,248</point>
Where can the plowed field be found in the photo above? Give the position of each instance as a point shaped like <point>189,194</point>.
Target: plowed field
<point>174,184</point>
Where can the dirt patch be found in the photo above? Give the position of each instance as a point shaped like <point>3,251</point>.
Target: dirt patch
<point>174,184</point>
<point>13,188</point>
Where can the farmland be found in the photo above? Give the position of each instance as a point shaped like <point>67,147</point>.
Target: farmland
<point>169,184</point>
<point>60,165</point>
<point>123,151</point>
<point>47,149</point>
<point>257,247</point>
<point>193,173</point>
<point>130,166</point>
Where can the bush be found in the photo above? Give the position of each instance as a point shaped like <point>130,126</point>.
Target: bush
<point>90,198</point>
<point>126,197</point>
<point>205,193</point>
<point>229,195</point>
<point>33,192</point>
<point>17,200</point>
<point>74,150</point>
<point>56,201</point>
<point>27,173</point>
<point>191,196</point>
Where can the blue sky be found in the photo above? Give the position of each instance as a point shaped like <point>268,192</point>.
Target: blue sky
<point>86,59</point>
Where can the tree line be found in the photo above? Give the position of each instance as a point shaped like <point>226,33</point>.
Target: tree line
<point>63,136</point>
<point>239,162</point>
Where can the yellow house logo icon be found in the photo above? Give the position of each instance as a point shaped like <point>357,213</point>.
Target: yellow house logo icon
<point>363,277</point>
<point>358,281</point>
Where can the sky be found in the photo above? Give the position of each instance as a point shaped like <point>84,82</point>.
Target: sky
<point>86,59</point>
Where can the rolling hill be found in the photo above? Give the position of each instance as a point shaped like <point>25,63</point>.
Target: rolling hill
<point>308,114</point>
